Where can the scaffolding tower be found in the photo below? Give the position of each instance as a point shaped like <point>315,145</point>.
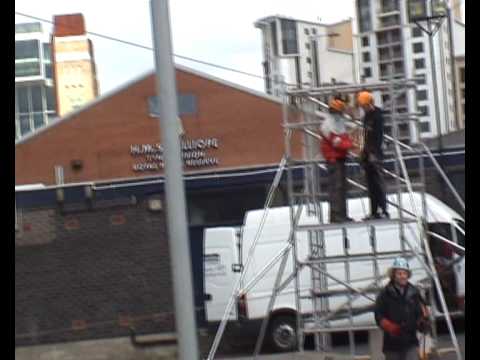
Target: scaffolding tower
<point>310,199</point>
<point>302,113</point>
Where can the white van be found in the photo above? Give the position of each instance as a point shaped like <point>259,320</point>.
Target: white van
<point>226,249</point>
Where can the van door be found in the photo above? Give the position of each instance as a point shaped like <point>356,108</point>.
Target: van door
<point>459,269</point>
<point>220,269</point>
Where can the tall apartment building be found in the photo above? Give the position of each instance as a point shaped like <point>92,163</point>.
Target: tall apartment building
<point>390,46</point>
<point>460,69</point>
<point>54,74</point>
<point>305,53</point>
<point>35,103</point>
<point>459,36</point>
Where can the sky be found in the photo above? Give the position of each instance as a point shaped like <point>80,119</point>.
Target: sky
<point>216,31</point>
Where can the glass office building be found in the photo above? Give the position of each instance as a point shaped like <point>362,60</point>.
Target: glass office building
<point>35,103</point>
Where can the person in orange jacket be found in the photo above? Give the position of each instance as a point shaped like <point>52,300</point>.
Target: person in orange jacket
<point>334,146</point>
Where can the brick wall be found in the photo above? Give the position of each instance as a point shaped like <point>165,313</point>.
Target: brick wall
<point>87,271</point>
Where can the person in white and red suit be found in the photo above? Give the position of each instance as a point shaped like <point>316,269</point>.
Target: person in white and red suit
<point>334,146</point>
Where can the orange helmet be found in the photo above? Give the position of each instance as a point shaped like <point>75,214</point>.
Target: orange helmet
<point>364,98</point>
<point>337,104</point>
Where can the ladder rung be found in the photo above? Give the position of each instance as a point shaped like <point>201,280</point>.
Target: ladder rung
<point>302,124</point>
<point>328,293</point>
<point>356,257</point>
<point>303,162</point>
<point>309,195</point>
<point>315,329</point>
<point>353,224</point>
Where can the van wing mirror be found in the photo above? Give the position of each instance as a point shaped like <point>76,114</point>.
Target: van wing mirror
<point>236,268</point>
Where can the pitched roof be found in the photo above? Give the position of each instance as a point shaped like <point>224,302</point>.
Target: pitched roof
<point>130,83</point>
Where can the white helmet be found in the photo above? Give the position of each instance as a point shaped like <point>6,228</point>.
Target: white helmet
<point>401,263</point>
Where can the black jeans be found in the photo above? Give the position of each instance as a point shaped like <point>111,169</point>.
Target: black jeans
<point>337,190</point>
<point>407,354</point>
<point>375,183</point>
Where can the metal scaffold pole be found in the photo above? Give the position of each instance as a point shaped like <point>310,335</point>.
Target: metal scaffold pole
<point>174,188</point>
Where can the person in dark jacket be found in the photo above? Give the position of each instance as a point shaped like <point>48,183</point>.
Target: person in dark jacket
<point>372,155</point>
<point>334,147</point>
<point>400,311</point>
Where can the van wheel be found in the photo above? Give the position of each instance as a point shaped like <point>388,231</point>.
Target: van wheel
<point>283,333</point>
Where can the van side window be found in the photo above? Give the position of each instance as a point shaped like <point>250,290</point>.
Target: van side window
<point>438,247</point>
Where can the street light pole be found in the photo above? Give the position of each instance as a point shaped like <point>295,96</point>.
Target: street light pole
<point>174,188</point>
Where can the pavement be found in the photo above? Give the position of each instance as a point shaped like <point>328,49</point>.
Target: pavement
<point>342,351</point>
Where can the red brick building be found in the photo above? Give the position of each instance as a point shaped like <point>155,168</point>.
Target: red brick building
<point>107,252</point>
<point>225,126</point>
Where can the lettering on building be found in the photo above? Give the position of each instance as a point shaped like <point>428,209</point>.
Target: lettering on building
<point>195,153</point>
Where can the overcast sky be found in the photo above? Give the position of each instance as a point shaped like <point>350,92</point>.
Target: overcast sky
<point>217,31</point>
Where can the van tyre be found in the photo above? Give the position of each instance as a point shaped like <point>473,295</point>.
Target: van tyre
<point>283,333</point>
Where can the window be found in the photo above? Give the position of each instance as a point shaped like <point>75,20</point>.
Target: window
<point>398,66</point>
<point>397,52</point>
<point>37,101</point>
<point>38,120</point>
<point>463,93</point>
<point>51,100</point>
<point>48,71</point>
<point>30,68</point>
<point>366,57</point>
<point>187,105</point>
<point>51,117</point>
<point>289,36</point>
<point>28,49</point>
<point>396,36</point>
<point>47,52</point>
<point>418,48</point>
<point>419,64</point>
<point>24,124</point>
<point>422,95</point>
<point>364,16</point>
<point>314,31</point>
<point>307,32</point>
<point>307,45</point>
<point>22,98</point>
<point>367,72</point>
<point>309,60</point>
<point>365,41</point>
<point>274,37</point>
<point>424,126</point>
<point>390,5</point>
<point>417,32</point>
<point>421,79</point>
<point>390,21</point>
<point>423,110</point>
<point>384,54</point>
<point>462,74</point>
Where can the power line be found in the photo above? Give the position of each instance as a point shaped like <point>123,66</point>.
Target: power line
<point>126,42</point>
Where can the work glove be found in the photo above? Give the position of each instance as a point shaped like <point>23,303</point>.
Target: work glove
<point>336,141</point>
<point>391,327</point>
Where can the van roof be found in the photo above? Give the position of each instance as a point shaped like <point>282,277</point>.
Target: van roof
<point>437,211</point>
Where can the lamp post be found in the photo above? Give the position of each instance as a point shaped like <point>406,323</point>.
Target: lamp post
<point>433,12</point>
